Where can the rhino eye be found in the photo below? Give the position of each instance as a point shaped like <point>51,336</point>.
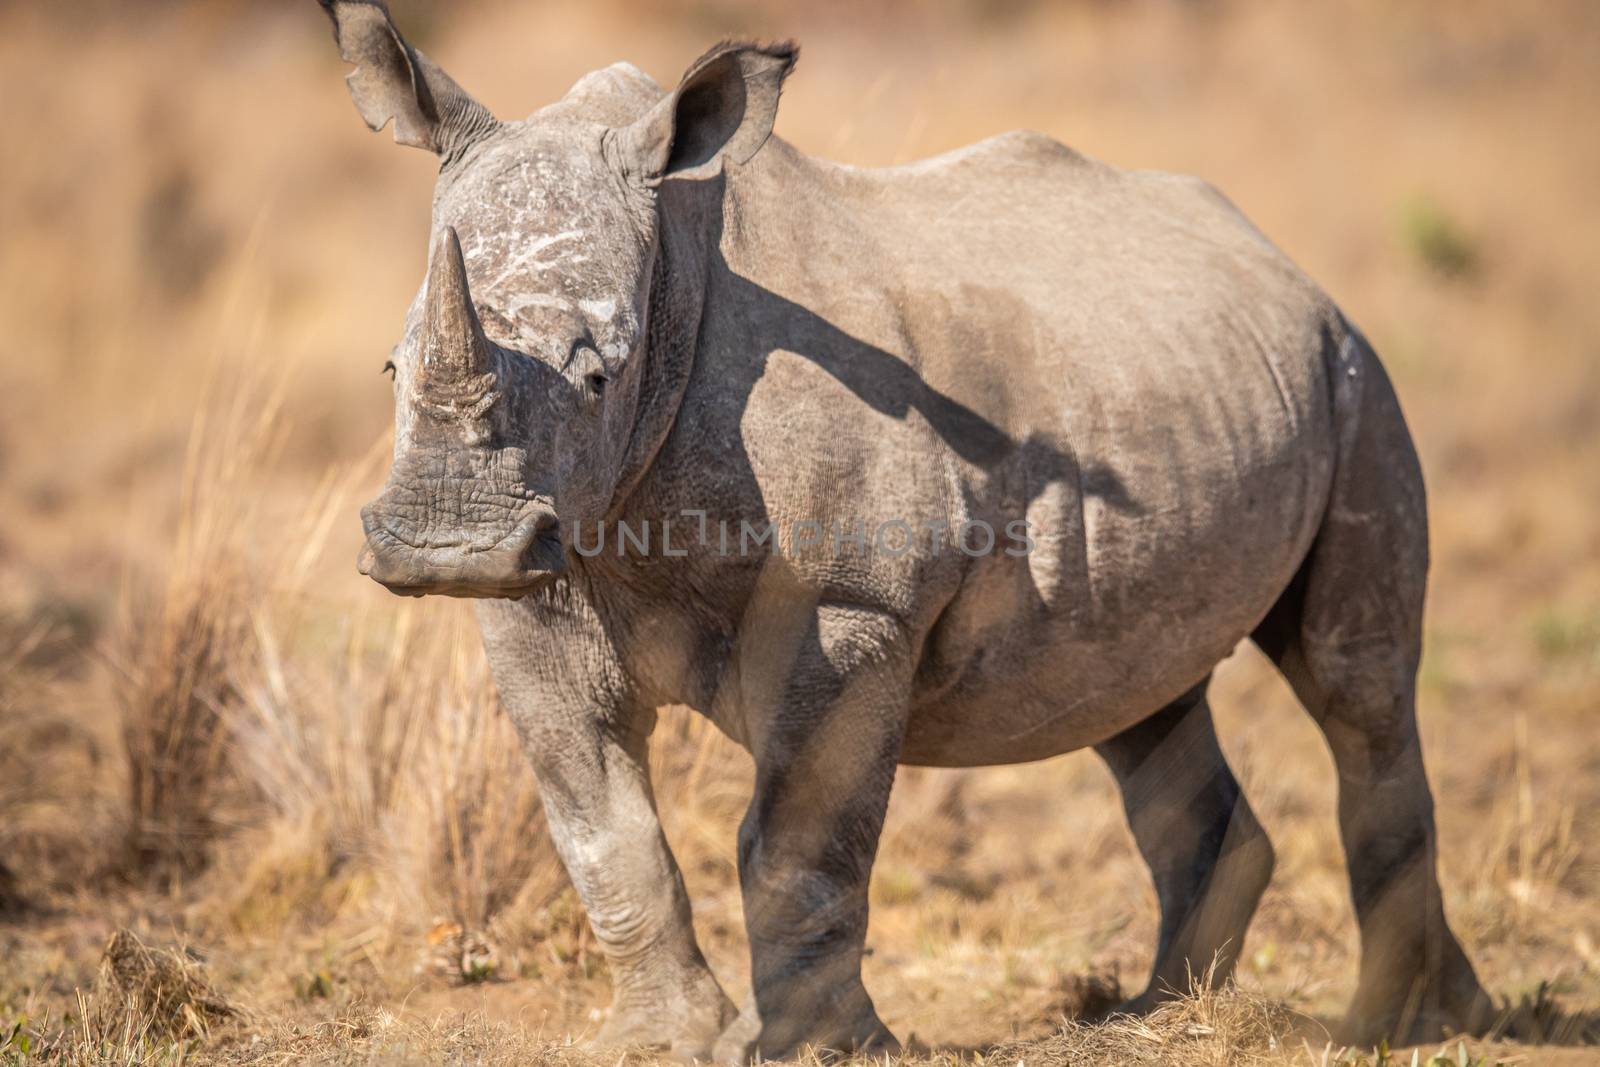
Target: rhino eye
<point>596,382</point>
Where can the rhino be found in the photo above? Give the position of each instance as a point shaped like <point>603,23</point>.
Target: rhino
<point>701,420</point>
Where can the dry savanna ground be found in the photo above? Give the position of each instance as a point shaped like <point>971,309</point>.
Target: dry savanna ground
<point>292,797</point>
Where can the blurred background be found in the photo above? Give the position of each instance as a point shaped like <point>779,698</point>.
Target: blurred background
<point>213,732</point>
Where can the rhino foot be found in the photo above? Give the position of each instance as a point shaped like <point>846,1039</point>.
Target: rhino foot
<point>1416,1009</point>
<point>685,1025</point>
<point>856,1029</point>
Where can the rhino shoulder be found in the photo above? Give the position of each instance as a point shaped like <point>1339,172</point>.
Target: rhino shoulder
<point>1015,148</point>
<point>1031,146</point>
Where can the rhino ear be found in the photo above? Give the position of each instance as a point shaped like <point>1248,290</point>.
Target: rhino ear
<point>392,80</point>
<point>723,108</point>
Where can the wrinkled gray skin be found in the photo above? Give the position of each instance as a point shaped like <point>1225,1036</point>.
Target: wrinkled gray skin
<point>639,304</point>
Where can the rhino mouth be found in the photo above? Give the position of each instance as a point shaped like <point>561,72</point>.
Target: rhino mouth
<point>527,557</point>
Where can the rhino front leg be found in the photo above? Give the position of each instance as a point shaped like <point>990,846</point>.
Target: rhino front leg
<point>826,747</point>
<point>594,781</point>
<point>598,802</point>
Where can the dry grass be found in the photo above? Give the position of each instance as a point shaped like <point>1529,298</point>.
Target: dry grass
<point>213,734</point>
<point>166,991</point>
<point>1230,1028</point>
<point>157,1006</point>
<point>148,1005</point>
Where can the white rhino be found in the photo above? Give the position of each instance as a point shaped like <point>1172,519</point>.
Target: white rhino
<point>973,461</point>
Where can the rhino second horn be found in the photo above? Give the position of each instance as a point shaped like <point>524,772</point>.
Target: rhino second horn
<point>455,349</point>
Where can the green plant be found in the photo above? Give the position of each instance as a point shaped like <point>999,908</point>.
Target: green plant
<point>1564,634</point>
<point>1437,240</point>
<point>18,1044</point>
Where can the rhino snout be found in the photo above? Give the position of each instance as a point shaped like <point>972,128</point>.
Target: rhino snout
<point>512,566</point>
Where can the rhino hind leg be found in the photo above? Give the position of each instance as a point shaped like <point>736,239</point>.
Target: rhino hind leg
<point>1347,634</point>
<point>1209,857</point>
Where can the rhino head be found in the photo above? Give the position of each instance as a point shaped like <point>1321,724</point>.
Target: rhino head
<point>517,381</point>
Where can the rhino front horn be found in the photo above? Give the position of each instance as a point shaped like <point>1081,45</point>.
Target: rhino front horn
<point>455,351</point>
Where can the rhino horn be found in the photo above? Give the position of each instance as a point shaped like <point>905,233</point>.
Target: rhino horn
<point>456,353</point>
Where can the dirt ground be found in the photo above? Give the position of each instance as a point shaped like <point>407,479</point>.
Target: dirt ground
<point>215,735</point>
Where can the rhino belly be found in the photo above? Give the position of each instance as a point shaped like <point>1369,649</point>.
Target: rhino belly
<point>1140,580</point>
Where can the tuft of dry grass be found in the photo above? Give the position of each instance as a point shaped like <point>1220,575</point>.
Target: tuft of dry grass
<point>164,989</point>
<point>45,815</point>
<point>182,650</point>
<point>20,785</point>
<point>175,692</point>
<point>1225,1027</point>
<point>148,1006</point>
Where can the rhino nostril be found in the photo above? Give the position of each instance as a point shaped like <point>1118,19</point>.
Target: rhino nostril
<point>543,550</point>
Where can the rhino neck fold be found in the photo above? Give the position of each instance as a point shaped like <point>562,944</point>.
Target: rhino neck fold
<point>678,286</point>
